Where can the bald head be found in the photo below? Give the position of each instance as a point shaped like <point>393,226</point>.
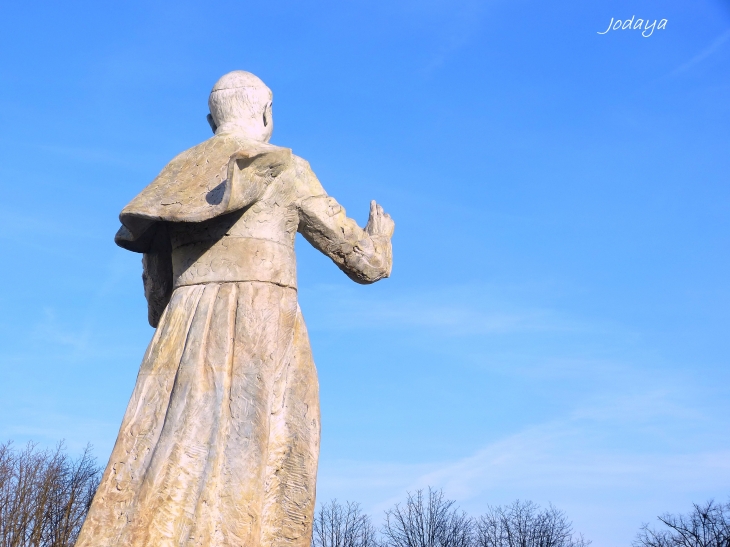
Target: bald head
<point>240,102</point>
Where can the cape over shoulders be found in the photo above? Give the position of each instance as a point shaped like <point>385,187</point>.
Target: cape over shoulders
<point>218,176</point>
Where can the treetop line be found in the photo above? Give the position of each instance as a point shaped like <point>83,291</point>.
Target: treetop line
<point>45,496</point>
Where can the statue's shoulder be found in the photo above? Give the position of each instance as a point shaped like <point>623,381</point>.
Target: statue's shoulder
<point>198,184</point>
<point>307,184</point>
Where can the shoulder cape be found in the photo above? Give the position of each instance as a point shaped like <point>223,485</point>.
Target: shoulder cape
<point>219,176</point>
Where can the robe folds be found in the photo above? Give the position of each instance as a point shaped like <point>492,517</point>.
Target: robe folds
<point>219,443</point>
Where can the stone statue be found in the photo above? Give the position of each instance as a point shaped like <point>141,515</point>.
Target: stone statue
<point>219,443</point>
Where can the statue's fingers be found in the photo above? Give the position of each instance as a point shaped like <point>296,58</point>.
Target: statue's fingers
<point>373,208</point>
<point>380,210</point>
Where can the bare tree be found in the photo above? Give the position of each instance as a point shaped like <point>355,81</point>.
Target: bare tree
<point>427,520</point>
<point>707,525</point>
<point>338,525</point>
<point>524,524</point>
<point>44,495</point>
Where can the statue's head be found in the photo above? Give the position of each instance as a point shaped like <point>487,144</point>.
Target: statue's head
<point>241,102</point>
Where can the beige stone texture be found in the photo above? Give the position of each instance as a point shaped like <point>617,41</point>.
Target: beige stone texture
<point>219,443</point>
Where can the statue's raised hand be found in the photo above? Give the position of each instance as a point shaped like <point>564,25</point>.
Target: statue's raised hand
<point>379,223</point>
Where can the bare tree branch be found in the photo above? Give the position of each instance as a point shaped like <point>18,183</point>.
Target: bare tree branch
<point>44,495</point>
<point>338,525</point>
<point>707,525</point>
<point>524,524</point>
<point>427,521</point>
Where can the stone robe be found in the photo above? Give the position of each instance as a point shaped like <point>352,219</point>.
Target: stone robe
<point>219,443</point>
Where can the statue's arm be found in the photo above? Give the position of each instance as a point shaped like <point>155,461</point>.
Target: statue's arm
<point>365,255</point>
<point>157,275</point>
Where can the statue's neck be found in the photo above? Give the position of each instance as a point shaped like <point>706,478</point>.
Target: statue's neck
<point>240,131</point>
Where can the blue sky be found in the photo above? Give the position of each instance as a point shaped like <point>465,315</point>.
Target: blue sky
<point>556,325</point>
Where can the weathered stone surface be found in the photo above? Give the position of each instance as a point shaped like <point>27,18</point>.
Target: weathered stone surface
<point>219,444</point>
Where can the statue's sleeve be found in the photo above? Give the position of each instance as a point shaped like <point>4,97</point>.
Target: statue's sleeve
<point>157,275</point>
<point>364,257</point>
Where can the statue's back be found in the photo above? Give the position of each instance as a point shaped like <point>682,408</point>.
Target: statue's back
<point>219,444</point>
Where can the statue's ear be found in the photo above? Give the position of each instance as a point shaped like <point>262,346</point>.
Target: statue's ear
<point>212,124</point>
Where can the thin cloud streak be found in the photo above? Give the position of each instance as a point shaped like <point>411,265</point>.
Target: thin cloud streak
<point>464,25</point>
<point>568,454</point>
<point>575,462</point>
<point>453,311</point>
<point>44,427</point>
<point>86,154</point>
<point>704,54</point>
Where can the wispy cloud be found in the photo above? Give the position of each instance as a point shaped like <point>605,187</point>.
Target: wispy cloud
<point>580,462</point>
<point>38,423</point>
<point>704,54</point>
<point>577,452</point>
<point>463,25</point>
<point>40,233</point>
<point>453,311</point>
<point>49,331</point>
<point>86,154</point>
<point>81,332</point>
